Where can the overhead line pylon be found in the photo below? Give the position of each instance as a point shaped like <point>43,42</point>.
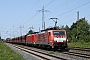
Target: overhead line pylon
<point>43,22</point>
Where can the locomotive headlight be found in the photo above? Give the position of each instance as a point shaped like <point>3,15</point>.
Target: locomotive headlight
<point>67,40</point>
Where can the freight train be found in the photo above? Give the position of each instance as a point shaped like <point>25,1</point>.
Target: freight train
<point>51,39</point>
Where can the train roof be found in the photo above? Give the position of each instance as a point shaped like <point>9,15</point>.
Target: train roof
<point>51,30</point>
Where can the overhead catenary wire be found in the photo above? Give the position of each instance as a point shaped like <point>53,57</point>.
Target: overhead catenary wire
<point>81,10</point>
<point>60,6</point>
<point>49,3</point>
<point>29,13</point>
<point>73,9</point>
<point>31,10</point>
<point>31,17</point>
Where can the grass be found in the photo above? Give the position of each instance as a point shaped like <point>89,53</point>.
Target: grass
<point>79,44</point>
<point>50,52</point>
<point>7,53</point>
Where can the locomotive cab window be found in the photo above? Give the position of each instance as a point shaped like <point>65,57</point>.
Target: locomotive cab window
<point>56,33</point>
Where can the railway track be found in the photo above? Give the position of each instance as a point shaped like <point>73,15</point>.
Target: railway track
<point>84,55</point>
<point>81,49</point>
<point>80,52</point>
<point>42,55</point>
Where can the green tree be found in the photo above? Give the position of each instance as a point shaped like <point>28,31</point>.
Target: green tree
<point>62,27</point>
<point>7,38</point>
<point>80,30</point>
<point>56,28</point>
<point>30,32</point>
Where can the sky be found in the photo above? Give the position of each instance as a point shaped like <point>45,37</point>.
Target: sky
<point>18,16</point>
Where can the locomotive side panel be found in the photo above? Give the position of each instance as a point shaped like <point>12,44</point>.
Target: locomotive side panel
<point>50,39</point>
<point>42,38</point>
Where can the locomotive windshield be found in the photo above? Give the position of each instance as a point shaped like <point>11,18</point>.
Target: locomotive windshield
<point>57,33</point>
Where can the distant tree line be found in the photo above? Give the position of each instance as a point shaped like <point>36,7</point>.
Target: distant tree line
<point>78,31</point>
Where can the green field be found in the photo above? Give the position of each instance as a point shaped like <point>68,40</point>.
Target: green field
<point>7,53</point>
<point>79,44</point>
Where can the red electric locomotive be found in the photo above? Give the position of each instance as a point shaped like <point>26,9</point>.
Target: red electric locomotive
<point>56,39</point>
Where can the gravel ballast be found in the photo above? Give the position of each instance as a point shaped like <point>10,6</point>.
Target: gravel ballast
<point>25,55</point>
